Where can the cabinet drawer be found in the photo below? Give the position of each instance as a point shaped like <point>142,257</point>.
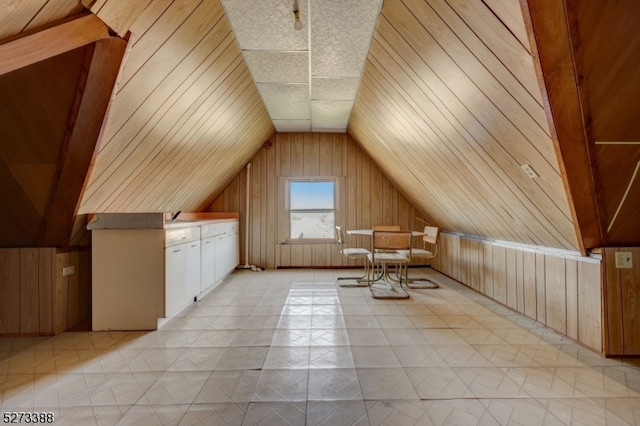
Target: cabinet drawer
<point>211,229</point>
<point>181,235</point>
<point>228,227</point>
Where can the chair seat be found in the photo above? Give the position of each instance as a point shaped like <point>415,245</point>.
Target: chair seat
<point>355,252</point>
<point>416,253</point>
<point>388,258</point>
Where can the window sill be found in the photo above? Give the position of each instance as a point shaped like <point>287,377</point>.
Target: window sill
<point>309,241</point>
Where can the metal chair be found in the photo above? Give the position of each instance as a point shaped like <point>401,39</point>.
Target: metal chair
<point>429,250</point>
<point>385,252</point>
<point>352,253</point>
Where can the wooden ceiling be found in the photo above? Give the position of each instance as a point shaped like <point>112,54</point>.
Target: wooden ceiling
<point>451,94</point>
<point>186,114</point>
<point>452,103</point>
<point>54,101</point>
<point>611,80</point>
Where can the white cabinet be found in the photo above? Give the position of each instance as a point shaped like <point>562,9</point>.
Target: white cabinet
<point>142,275</point>
<point>193,271</point>
<point>220,254</point>
<point>182,268</point>
<point>175,278</point>
<point>207,263</point>
<point>234,249</point>
<point>227,255</point>
<point>221,263</point>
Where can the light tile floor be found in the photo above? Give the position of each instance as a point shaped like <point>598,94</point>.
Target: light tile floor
<point>290,347</point>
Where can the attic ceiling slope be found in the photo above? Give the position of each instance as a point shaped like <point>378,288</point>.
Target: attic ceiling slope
<point>62,74</point>
<point>24,16</point>
<point>592,76</point>
<point>450,108</point>
<point>186,113</point>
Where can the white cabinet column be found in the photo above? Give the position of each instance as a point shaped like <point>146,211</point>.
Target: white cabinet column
<point>207,263</point>
<point>193,271</point>
<point>176,260</point>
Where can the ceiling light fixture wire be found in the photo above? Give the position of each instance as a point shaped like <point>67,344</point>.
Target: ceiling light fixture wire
<point>297,24</point>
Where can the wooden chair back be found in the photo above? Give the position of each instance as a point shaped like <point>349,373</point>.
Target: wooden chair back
<point>431,235</point>
<point>391,240</point>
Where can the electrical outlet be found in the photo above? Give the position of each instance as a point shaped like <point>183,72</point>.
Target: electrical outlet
<point>529,171</point>
<point>68,270</point>
<point>624,259</point>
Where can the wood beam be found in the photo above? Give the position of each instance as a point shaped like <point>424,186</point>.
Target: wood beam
<point>556,51</point>
<point>49,42</point>
<point>83,134</point>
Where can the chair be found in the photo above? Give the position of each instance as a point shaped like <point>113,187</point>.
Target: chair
<point>386,227</point>
<point>385,252</point>
<point>428,251</point>
<point>352,253</point>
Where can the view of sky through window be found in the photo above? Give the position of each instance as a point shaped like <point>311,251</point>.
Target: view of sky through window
<point>311,195</point>
<point>312,205</point>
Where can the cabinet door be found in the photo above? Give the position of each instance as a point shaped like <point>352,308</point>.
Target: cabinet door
<point>176,260</point>
<point>193,271</point>
<point>207,263</point>
<point>235,261</point>
<point>231,260</point>
<point>220,256</point>
<point>226,254</point>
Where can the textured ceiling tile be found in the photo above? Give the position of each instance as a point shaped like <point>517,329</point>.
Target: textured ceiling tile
<point>334,88</point>
<point>330,115</point>
<point>336,33</point>
<point>266,24</point>
<point>278,67</point>
<point>341,34</point>
<point>292,125</point>
<point>286,101</point>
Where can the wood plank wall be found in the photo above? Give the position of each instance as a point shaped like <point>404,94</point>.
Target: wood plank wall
<point>622,303</point>
<point>563,293</point>
<point>36,298</point>
<point>366,197</point>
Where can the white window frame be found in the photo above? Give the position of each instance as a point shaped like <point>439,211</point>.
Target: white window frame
<point>289,211</point>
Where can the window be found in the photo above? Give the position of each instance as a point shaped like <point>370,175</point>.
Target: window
<point>311,209</point>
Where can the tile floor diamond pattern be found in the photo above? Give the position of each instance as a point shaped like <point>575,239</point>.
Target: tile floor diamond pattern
<point>291,348</point>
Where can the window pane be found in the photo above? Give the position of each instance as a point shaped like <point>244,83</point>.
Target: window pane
<point>312,225</point>
<point>311,195</point>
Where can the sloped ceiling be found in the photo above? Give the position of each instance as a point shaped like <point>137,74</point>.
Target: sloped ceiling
<point>53,102</point>
<point>29,169</point>
<point>186,114</point>
<point>449,107</point>
<point>612,80</point>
